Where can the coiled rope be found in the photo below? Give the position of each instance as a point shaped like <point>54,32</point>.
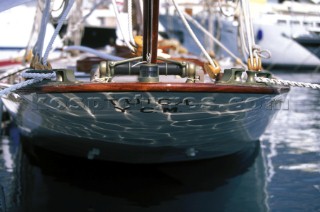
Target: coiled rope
<point>33,78</point>
<point>287,83</point>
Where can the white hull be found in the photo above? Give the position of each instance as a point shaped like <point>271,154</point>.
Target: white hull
<point>143,127</point>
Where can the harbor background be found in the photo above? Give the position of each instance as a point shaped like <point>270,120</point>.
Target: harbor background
<point>279,173</point>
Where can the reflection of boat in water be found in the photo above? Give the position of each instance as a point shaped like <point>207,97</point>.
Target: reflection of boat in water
<point>68,183</point>
<point>144,109</point>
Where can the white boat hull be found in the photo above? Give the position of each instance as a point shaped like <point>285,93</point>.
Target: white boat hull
<point>143,127</point>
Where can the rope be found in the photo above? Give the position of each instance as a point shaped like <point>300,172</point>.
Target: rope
<point>40,76</point>
<point>264,53</point>
<point>287,83</point>
<point>103,79</point>
<point>35,77</point>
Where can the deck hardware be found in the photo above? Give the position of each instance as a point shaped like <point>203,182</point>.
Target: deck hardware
<point>149,73</point>
<point>65,75</point>
<point>133,66</point>
<point>234,76</point>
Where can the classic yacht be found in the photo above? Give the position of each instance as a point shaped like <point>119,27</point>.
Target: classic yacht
<point>144,109</point>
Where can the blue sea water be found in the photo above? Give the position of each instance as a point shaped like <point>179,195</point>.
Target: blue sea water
<point>281,172</point>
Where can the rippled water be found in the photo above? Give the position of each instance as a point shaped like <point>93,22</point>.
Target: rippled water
<point>281,173</point>
<point>291,149</point>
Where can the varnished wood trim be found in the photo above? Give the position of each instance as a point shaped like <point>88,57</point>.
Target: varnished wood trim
<point>154,87</point>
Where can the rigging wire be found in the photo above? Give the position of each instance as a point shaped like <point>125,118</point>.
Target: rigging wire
<point>193,35</point>
<point>115,8</point>
<point>243,38</point>
<point>93,51</point>
<point>57,30</point>
<point>130,28</point>
<point>78,24</point>
<point>250,47</point>
<point>247,29</point>
<point>38,47</point>
<point>34,32</point>
<point>198,25</point>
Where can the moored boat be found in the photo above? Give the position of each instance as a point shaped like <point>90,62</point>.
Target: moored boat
<point>145,109</point>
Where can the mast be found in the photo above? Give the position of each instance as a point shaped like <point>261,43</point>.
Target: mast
<point>155,26</point>
<point>150,30</point>
<point>147,7</point>
<point>150,72</point>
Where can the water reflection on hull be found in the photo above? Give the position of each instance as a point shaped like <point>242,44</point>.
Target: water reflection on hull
<point>143,127</point>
